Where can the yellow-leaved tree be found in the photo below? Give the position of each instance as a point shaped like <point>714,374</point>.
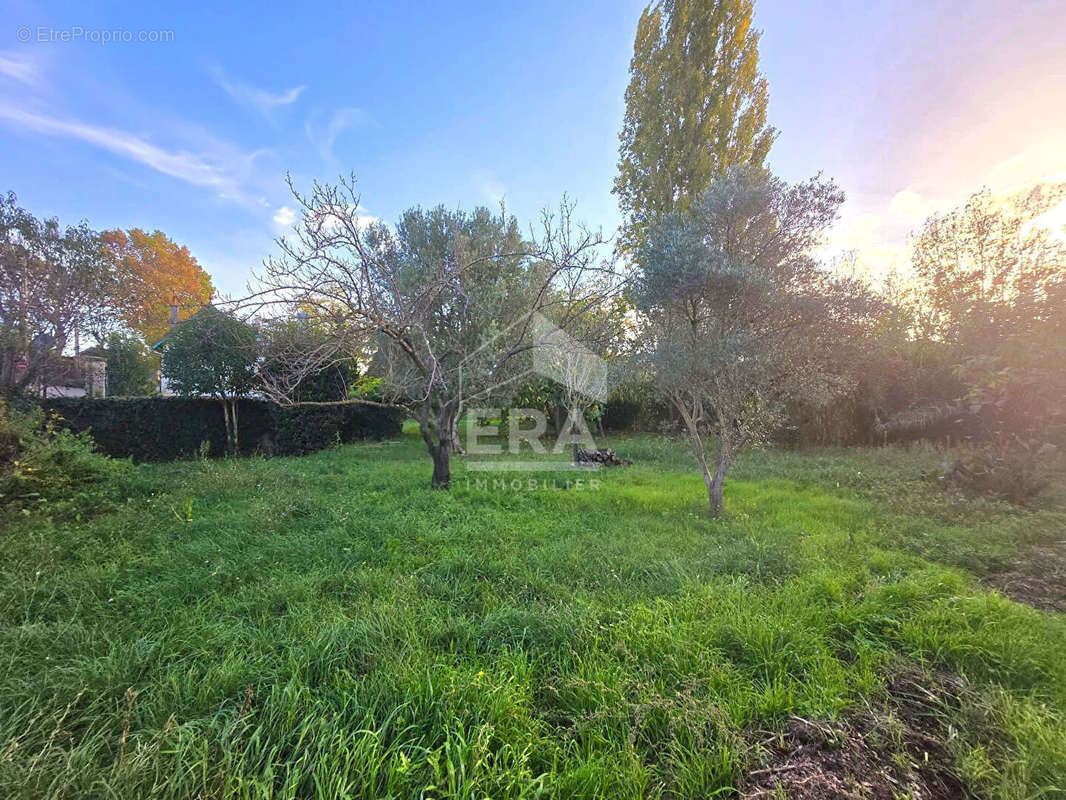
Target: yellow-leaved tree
<point>156,273</point>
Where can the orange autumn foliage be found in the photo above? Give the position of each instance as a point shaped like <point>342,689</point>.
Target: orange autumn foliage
<point>157,271</point>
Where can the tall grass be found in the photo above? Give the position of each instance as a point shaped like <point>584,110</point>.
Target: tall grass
<point>327,627</point>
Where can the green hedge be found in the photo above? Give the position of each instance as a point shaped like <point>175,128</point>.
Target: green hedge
<point>168,428</point>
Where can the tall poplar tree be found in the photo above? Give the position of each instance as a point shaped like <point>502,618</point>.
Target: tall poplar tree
<point>696,105</point>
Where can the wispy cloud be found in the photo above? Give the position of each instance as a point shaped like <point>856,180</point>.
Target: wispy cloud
<point>194,168</point>
<point>249,95</point>
<point>878,230</point>
<point>343,119</point>
<point>20,67</point>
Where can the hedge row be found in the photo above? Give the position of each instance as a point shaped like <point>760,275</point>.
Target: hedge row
<point>168,428</point>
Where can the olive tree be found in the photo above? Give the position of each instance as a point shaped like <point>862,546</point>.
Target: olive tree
<point>448,301</point>
<point>739,316</point>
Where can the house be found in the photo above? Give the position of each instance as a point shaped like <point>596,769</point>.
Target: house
<point>160,349</point>
<point>72,376</point>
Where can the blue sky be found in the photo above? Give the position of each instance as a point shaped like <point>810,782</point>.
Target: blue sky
<point>909,105</point>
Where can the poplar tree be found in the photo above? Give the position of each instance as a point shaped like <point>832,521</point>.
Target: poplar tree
<point>696,105</point>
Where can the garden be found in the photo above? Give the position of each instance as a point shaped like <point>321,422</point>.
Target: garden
<point>324,626</point>
<point>747,490</point>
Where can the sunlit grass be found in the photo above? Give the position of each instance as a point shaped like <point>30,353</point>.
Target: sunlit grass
<point>328,627</point>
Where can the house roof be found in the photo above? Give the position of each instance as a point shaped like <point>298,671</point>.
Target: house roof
<point>155,348</point>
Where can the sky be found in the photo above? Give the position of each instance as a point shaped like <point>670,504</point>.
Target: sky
<point>187,118</point>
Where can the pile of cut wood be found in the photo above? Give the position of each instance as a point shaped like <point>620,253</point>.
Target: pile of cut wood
<point>604,457</point>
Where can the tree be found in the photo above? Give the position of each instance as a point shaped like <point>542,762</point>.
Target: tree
<point>55,284</point>
<point>301,360</point>
<point>695,105</point>
<point>740,318</point>
<point>131,368</point>
<point>992,281</point>
<point>213,354</point>
<point>156,273</point>
<point>989,269</point>
<point>580,363</point>
<point>448,300</point>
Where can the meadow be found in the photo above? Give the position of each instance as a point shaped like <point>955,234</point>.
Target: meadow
<point>328,627</point>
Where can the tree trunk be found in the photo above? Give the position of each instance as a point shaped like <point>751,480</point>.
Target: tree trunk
<point>233,421</point>
<point>229,414</point>
<point>225,418</point>
<point>437,428</point>
<point>715,482</point>
<point>442,469</point>
<point>716,485</point>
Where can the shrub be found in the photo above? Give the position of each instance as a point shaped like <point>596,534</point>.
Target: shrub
<point>306,427</point>
<point>43,465</point>
<point>131,367</point>
<point>845,420</point>
<point>168,428</point>
<point>1011,470</point>
<point>633,406</point>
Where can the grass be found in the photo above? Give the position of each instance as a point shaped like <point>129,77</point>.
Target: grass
<point>328,627</point>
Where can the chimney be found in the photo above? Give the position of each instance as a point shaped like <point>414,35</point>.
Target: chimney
<point>174,310</point>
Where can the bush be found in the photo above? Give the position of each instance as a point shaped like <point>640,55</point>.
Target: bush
<point>846,420</point>
<point>360,422</point>
<point>168,428</point>
<point>43,465</point>
<point>633,406</point>
<point>1011,470</point>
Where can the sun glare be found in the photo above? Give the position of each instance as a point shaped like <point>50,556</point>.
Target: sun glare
<point>1054,220</point>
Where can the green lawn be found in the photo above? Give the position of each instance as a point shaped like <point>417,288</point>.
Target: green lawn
<point>328,627</point>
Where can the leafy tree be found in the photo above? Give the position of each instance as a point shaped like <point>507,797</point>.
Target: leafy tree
<point>213,354</point>
<point>576,366</point>
<point>992,283</point>
<point>287,349</point>
<point>696,105</point>
<point>990,270</point>
<point>55,284</point>
<point>740,316</point>
<point>156,272</point>
<point>899,376</point>
<point>448,299</point>
<point>131,368</point>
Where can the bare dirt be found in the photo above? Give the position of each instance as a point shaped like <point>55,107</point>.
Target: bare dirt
<point>1037,577</point>
<point>892,751</point>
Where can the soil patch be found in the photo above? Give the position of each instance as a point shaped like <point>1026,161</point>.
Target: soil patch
<point>895,750</point>
<point>1037,578</point>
